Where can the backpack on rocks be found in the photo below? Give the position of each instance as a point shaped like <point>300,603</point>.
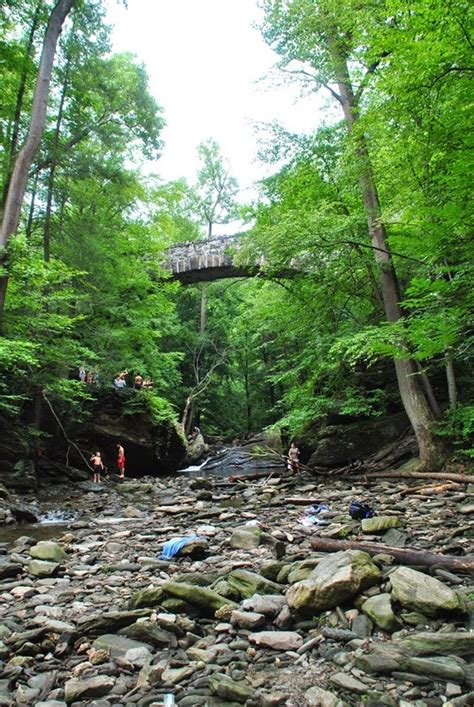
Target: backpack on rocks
<point>359,510</point>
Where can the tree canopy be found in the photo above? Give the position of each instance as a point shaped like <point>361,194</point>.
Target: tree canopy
<point>372,210</point>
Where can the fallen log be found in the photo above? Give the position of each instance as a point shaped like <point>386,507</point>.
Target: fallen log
<point>402,555</point>
<point>461,478</point>
<point>430,490</point>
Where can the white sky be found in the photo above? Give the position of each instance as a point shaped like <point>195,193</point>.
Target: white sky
<point>204,60</point>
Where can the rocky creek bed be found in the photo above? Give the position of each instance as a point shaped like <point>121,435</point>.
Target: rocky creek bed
<point>248,613</point>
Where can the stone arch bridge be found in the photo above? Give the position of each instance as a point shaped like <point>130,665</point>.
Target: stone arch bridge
<point>207,259</point>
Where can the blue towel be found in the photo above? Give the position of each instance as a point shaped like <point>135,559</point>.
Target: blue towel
<point>173,546</point>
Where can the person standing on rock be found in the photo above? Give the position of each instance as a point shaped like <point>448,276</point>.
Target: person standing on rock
<point>121,461</point>
<point>293,458</point>
<point>97,466</point>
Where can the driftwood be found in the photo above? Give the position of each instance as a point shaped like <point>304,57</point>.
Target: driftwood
<point>430,490</point>
<point>402,555</point>
<point>460,478</point>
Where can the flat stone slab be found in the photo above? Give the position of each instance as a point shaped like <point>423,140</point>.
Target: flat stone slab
<point>347,682</point>
<point>278,640</point>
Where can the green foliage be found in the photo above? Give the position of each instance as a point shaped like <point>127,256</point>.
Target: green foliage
<point>458,427</point>
<point>147,401</point>
<point>215,189</point>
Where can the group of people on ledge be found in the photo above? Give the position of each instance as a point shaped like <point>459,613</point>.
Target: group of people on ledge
<point>124,380</point>
<point>98,467</point>
<point>89,377</point>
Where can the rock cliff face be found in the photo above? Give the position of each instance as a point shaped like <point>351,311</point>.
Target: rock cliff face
<point>338,445</point>
<point>151,446</point>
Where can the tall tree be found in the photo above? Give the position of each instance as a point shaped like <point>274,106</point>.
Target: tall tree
<point>324,40</point>
<point>19,177</point>
<point>216,188</point>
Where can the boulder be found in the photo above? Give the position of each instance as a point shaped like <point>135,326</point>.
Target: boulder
<point>249,583</point>
<point>379,609</point>
<point>419,591</point>
<point>269,605</point>
<point>117,646</point>
<point>204,599</point>
<point>456,643</point>
<point>42,568</point>
<point>246,538</point>
<point>338,445</point>
<point>47,550</point>
<point>197,448</point>
<point>230,690</point>
<point>21,476</point>
<point>337,578</point>
<point>247,619</point>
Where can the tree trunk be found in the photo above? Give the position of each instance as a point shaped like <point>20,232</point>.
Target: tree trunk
<point>451,379</point>
<point>411,389</point>
<point>408,557</point>
<point>19,105</point>
<point>202,321</point>
<point>52,169</point>
<point>31,210</point>
<point>17,186</point>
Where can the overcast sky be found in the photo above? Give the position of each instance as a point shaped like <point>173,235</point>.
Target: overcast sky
<point>205,61</point>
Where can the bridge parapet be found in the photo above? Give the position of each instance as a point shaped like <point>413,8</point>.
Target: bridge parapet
<point>206,259</point>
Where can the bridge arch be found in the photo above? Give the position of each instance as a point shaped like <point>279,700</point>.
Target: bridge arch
<point>207,259</point>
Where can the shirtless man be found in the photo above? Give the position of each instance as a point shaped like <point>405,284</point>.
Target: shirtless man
<point>97,466</point>
<point>121,461</point>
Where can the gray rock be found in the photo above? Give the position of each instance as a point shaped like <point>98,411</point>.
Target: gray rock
<point>456,643</point>
<point>245,538</point>
<point>149,632</point>
<point>378,524</point>
<point>376,663</point>
<point>379,609</point>
<point>336,579</point>
<point>205,599</point>
<point>437,668</point>
<point>42,568</point>
<point>47,550</point>
<point>247,619</point>
<point>278,640</point>
<point>317,697</point>
<point>75,690</point>
<point>117,646</point>
<point>228,689</point>
<point>249,583</point>
<point>347,682</point>
<point>267,604</point>
<point>416,590</point>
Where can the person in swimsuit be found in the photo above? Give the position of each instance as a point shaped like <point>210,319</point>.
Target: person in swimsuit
<point>97,466</point>
<point>121,461</point>
<point>293,458</point>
